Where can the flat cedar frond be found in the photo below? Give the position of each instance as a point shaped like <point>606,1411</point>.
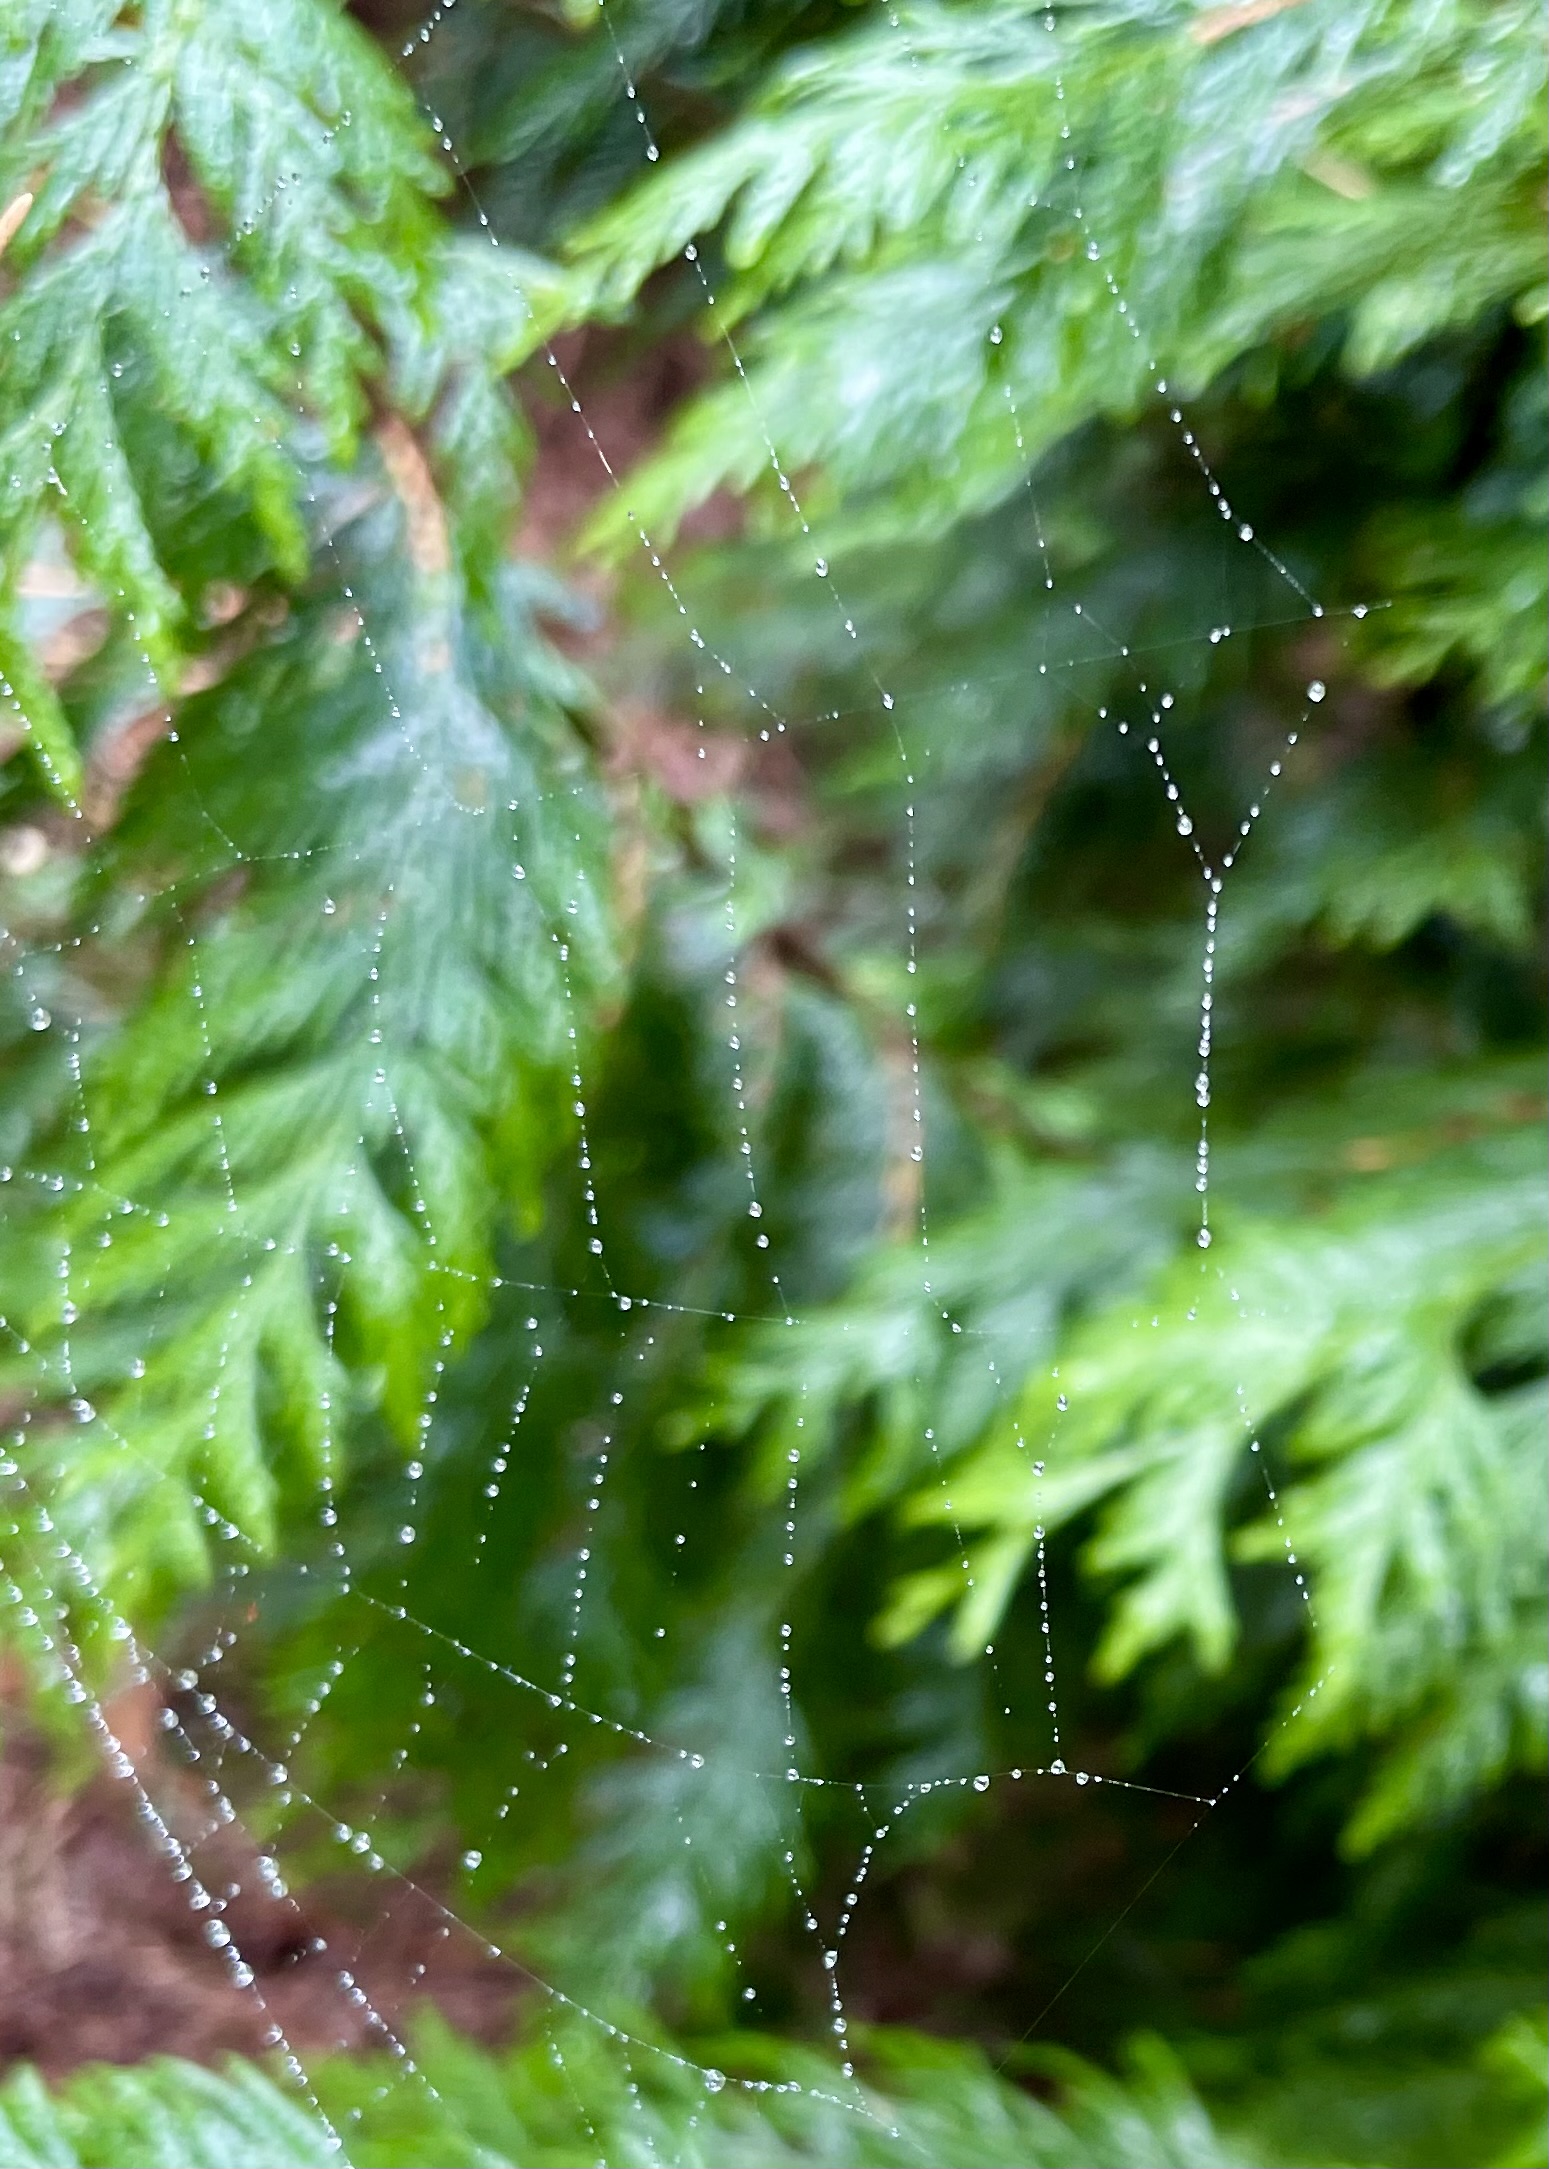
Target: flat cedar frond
<point>897,213</point>
<point>282,1178</point>
<point>229,247</point>
<point>1338,1359</point>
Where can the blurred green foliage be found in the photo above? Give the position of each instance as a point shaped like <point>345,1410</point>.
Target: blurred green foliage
<point>563,2095</point>
<point>366,1042</point>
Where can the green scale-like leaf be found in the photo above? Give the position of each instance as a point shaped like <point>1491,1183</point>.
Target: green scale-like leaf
<point>923,219</point>
<point>1403,1491</point>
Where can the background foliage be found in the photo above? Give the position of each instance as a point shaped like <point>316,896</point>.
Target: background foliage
<point>373,874</point>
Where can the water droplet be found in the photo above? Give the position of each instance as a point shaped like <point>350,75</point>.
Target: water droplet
<point>406,1533</point>
<point>1316,690</point>
<point>714,2080</point>
<point>40,1019</point>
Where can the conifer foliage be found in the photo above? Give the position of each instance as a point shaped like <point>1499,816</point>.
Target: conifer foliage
<point>397,1014</point>
<point>261,446</point>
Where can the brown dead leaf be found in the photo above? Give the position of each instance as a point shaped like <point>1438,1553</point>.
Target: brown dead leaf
<point>12,216</point>
<point>409,472</point>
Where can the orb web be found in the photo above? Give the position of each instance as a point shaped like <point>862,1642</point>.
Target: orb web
<point>256,1781</point>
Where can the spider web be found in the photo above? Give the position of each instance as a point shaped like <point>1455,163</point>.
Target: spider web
<point>257,1781</point>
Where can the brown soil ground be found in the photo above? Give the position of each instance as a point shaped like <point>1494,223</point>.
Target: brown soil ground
<point>102,1958</point>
